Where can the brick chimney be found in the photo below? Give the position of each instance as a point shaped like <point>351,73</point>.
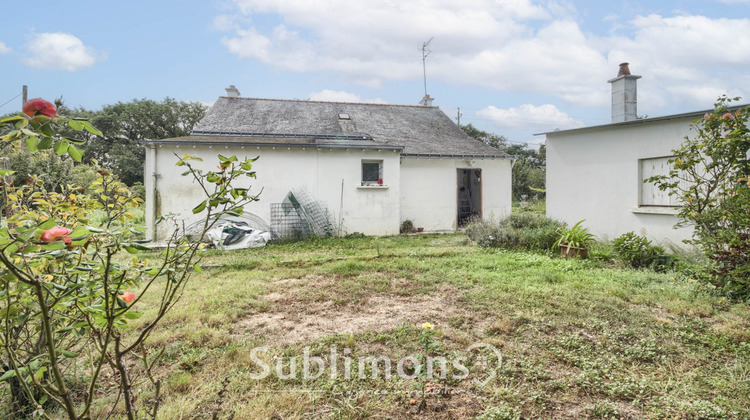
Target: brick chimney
<point>427,100</point>
<point>624,95</point>
<point>232,91</point>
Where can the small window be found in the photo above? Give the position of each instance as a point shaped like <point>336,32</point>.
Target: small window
<point>372,172</point>
<point>651,195</point>
<point>343,116</point>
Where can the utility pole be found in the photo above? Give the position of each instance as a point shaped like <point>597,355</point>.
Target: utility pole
<point>25,95</point>
<point>458,117</point>
<point>425,52</point>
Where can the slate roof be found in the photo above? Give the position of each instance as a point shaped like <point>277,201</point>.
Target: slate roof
<point>418,130</point>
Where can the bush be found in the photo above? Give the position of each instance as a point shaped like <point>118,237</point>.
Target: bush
<point>518,231</point>
<point>83,176</point>
<point>637,252</point>
<point>710,175</point>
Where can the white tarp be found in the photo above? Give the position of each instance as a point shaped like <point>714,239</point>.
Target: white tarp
<point>237,235</point>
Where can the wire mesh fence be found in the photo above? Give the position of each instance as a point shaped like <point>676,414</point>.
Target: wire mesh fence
<point>299,216</point>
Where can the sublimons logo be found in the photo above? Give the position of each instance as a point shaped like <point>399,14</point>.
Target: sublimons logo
<point>478,362</point>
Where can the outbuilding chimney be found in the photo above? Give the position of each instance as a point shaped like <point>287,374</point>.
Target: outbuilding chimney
<point>232,91</point>
<point>624,95</point>
<point>427,100</point>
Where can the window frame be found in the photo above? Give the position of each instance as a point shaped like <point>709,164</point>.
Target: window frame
<point>666,201</point>
<point>379,180</point>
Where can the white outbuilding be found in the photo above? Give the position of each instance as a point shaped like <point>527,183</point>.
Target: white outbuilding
<point>371,166</point>
<point>597,173</point>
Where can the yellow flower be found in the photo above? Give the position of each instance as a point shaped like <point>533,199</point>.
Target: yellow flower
<point>48,277</point>
<point>428,326</point>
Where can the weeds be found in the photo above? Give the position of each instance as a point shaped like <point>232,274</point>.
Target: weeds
<point>578,338</point>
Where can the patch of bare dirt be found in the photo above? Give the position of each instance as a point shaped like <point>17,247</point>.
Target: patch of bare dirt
<point>290,319</point>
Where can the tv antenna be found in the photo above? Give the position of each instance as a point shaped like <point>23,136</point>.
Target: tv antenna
<point>425,52</point>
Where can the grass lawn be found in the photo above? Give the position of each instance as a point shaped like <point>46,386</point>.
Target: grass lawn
<point>577,339</point>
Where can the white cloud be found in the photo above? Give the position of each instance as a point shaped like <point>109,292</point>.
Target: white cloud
<point>327,95</point>
<point>59,51</point>
<point>4,49</point>
<point>528,46</point>
<point>529,117</point>
<point>224,23</point>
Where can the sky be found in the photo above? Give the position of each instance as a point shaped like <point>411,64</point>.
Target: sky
<point>512,67</point>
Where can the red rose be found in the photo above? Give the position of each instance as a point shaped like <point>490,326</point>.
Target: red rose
<point>39,106</point>
<point>127,297</point>
<point>52,234</point>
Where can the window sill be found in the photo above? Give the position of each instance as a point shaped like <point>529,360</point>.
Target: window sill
<point>671,211</point>
<point>372,187</point>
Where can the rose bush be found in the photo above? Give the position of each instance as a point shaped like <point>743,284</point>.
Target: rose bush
<point>64,299</point>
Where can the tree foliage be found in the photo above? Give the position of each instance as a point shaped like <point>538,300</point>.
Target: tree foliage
<point>711,176</point>
<point>124,125</point>
<point>490,139</point>
<point>529,171</point>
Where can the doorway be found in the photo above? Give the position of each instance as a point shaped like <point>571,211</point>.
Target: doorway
<point>469,195</point>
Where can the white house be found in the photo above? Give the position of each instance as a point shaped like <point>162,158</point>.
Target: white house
<point>597,173</point>
<point>372,166</point>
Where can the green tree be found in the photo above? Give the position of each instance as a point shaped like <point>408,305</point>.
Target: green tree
<point>529,171</point>
<point>711,176</point>
<point>124,125</point>
<point>490,139</point>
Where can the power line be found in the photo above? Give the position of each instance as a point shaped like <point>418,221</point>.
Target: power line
<point>9,100</point>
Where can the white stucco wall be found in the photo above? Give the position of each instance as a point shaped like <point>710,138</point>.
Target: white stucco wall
<point>593,174</point>
<point>370,210</point>
<point>429,190</point>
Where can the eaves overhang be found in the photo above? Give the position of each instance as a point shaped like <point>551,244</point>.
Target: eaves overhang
<point>693,115</point>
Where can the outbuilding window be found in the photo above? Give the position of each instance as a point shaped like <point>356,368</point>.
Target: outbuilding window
<point>651,195</point>
<point>372,172</point>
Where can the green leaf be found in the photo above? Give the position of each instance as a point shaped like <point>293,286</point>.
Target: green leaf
<point>45,143</point>
<point>5,172</point>
<point>133,315</point>
<point>197,269</point>
<point>51,246</point>
<point>11,119</point>
<point>153,271</point>
<point>75,125</point>
<point>32,143</point>
<point>81,232</point>
<point>91,129</point>
<point>70,354</point>
<point>47,224</point>
<point>138,246</point>
<point>74,153</point>
<point>122,303</point>
<point>61,148</point>
<point>131,249</point>
<point>74,141</point>
<point>7,375</point>
<point>200,207</point>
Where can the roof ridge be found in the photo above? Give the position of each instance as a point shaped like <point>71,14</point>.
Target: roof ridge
<point>328,102</point>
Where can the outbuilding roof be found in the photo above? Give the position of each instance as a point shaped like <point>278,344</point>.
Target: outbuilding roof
<point>418,130</point>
